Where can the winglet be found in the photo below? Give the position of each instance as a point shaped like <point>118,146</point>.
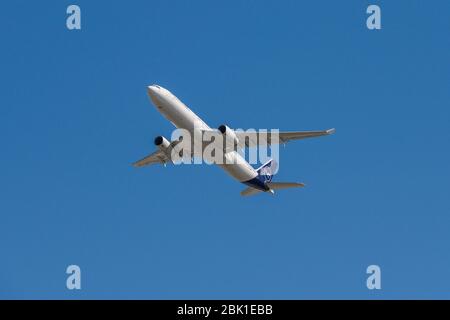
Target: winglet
<point>331,131</point>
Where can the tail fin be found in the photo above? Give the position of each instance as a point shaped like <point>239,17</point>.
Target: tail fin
<point>265,175</point>
<point>267,170</point>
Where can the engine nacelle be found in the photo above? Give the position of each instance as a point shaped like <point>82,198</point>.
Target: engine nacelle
<point>162,143</point>
<point>230,137</point>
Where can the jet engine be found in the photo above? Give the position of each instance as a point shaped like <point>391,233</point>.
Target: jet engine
<point>230,137</point>
<point>162,143</point>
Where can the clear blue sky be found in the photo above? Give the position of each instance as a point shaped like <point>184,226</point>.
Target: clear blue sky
<point>74,115</point>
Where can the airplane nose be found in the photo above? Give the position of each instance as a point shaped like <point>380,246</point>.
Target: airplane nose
<point>152,90</point>
<point>154,93</point>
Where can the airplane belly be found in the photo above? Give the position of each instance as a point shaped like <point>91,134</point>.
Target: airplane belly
<point>238,168</point>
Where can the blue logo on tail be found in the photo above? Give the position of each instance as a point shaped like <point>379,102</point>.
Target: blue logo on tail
<point>267,170</point>
<point>265,174</point>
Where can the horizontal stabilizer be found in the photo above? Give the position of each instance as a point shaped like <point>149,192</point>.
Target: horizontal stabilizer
<point>284,185</point>
<point>273,186</point>
<point>250,191</point>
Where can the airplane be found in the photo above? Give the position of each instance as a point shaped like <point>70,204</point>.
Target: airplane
<point>257,180</point>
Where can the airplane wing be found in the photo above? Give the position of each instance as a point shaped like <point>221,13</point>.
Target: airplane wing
<point>158,156</point>
<point>246,139</point>
<point>256,138</point>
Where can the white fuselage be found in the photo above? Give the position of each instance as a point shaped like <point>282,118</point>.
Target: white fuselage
<point>182,117</point>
